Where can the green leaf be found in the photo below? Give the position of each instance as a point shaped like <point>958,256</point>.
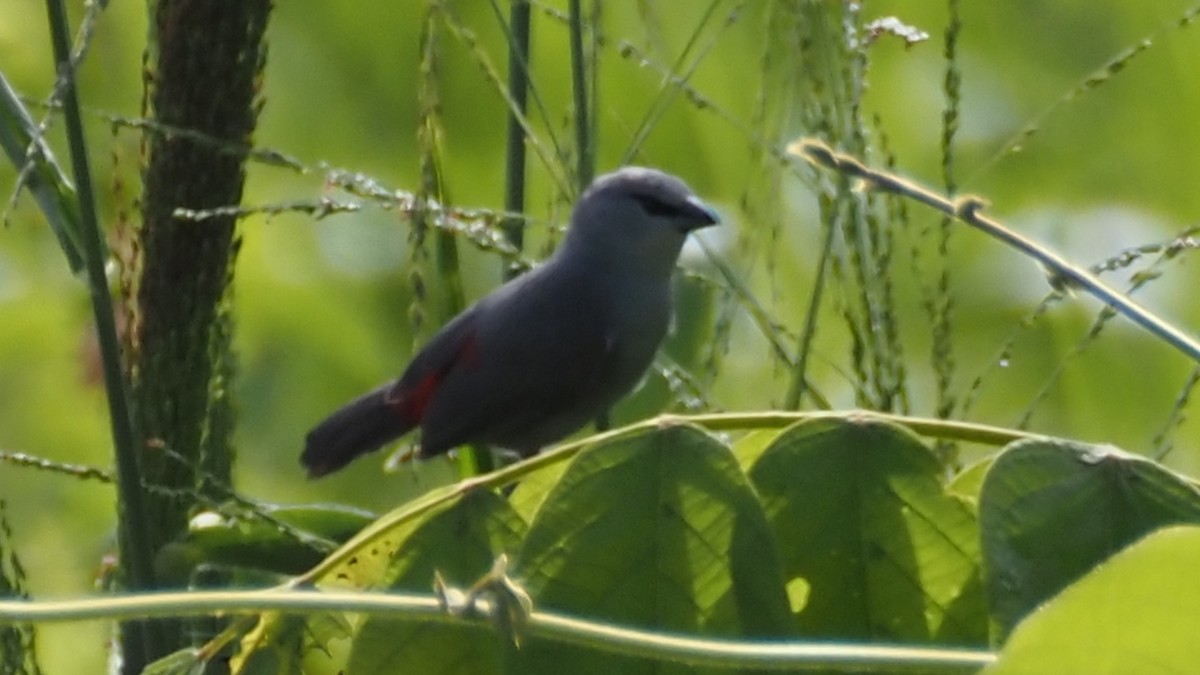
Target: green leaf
<point>529,494</point>
<point>967,483</point>
<point>752,445</point>
<point>366,565</point>
<point>182,662</point>
<point>1134,614</point>
<point>46,181</point>
<point>1050,511</point>
<point>657,529</point>
<point>861,515</point>
<point>460,540</point>
<point>272,646</point>
<point>287,540</point>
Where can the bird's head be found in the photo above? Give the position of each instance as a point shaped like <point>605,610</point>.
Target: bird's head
<point>637,217</point>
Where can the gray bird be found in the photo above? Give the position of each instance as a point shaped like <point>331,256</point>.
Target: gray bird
<point>543,354</point>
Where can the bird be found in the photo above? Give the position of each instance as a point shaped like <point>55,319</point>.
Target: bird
<point>548,351</point>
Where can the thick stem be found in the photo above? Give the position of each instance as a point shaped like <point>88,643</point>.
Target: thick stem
<point>142,640</point>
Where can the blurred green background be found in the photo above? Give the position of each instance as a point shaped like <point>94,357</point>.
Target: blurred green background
<point>323,307</point>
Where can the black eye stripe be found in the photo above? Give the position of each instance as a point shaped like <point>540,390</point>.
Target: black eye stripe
<point>655,207</point>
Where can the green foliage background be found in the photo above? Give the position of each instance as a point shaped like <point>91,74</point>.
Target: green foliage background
<point>323,308</point>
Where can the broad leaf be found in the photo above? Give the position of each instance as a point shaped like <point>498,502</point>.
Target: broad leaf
<point>366,558</point>
<point>967,483</point>
<point>1134,614</point>
<point>752,445</point>
<point>460,540</point>
<point>862,516</point>
<point>1050,511</point>
<point>657,529</point>
<point>529,494</point>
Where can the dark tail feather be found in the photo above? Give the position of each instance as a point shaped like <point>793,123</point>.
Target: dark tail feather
<point>364,425</point>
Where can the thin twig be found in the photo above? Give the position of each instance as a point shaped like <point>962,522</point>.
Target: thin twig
<point>967,209</point>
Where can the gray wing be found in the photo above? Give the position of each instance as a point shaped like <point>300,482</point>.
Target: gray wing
<point>541,366</point>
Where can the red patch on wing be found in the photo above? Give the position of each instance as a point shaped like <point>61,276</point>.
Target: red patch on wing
<point>411,404</point>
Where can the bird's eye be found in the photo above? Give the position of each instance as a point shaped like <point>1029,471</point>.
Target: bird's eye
<point>655,207</point>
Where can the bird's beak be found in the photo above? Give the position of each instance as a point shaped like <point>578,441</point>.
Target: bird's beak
<point>700,214</point>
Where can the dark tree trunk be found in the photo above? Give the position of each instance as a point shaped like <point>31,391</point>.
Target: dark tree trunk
<point>202,86</point>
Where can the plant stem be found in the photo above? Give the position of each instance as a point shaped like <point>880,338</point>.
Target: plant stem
<point>136,554</point>
<point>586,167</point>
<point>1063,275</point>
<point>518,90</point>
<point>799,384</point>
<point>700,652</point>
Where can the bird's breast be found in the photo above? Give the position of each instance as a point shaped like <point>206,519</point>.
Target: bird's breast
<point>637,324</point>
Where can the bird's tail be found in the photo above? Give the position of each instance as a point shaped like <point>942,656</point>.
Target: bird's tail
<point>363,425</point>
